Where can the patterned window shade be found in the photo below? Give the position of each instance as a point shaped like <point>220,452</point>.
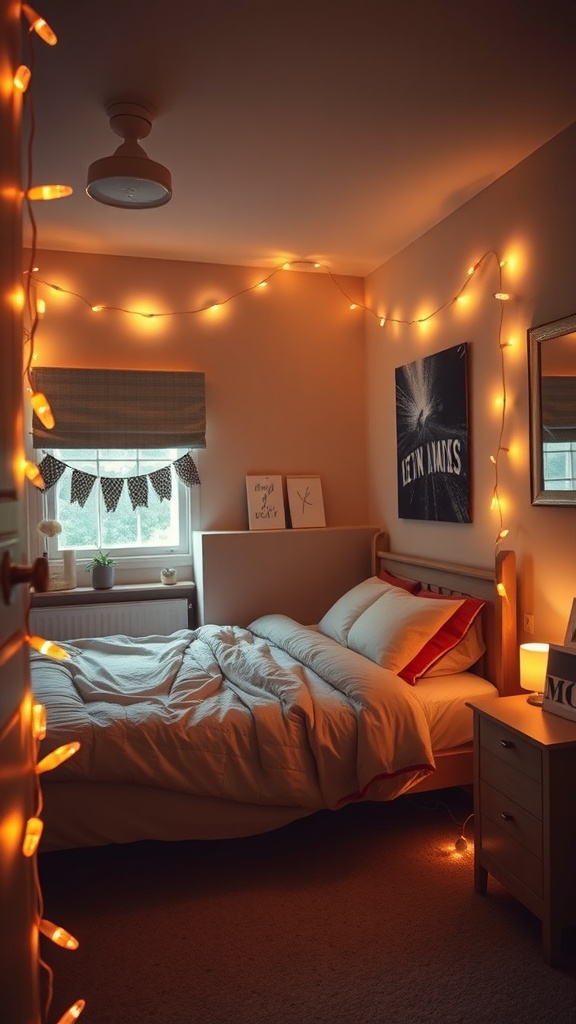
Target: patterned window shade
<point>558,408</point>
<point>121,408</point>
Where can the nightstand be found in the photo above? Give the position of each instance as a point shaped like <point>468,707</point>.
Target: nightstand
<point>525,810</point>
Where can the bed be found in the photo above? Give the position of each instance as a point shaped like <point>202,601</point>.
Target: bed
<point>224,731</point>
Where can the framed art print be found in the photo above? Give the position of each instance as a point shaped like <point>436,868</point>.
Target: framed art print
<point>570,638</point>
<point>305,501</point>
<point>265,503</point>
<point>432,437</point>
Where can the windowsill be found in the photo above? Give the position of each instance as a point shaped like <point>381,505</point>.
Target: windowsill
<point>119,592</point>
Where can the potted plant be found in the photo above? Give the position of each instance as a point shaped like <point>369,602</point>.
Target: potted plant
<point>102,569</point>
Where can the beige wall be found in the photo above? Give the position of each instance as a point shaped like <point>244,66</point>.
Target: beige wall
<point>284,365</point>
<point>529,214</point>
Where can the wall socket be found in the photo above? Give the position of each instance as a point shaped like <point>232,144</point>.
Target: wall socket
<point>529,624</point>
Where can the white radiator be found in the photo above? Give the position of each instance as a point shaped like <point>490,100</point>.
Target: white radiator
<point>132,618</point>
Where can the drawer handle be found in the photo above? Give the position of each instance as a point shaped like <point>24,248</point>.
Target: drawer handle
<point>506,743</point>
<point>506,816</point>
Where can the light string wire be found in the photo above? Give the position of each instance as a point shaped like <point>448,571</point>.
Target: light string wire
<point>29,336</point>
<point>353,304</point>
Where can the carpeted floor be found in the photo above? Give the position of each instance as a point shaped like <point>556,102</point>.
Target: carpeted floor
<point>353,917</point>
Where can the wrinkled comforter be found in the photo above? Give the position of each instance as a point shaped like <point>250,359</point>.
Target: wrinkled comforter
<point>273,714</point>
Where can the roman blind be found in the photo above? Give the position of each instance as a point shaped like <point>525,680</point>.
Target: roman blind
<point>558,408</point>
<point>121,408</point>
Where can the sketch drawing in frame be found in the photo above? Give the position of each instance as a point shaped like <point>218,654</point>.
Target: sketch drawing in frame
<point>570,639</point>
<point>305,501</point>
<point>432,437</point>
<point>265,503</point>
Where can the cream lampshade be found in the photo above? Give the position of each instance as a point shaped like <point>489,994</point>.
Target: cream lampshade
<point>533,665</point>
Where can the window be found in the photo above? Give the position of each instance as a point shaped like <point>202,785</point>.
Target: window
<point>119,458</point>
<point>559,465</point>
<point>161,527</point>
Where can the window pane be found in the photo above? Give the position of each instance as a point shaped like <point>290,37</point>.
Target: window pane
<point>162,525</point>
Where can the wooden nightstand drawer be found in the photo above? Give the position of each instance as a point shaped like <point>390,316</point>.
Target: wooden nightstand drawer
<point>502,742</point>
<point>523,789</point>
<point>513,819</point>
<point>513,856</point>
<point>524,817</point>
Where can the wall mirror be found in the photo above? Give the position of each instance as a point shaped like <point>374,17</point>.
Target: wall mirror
<point>552,388</point>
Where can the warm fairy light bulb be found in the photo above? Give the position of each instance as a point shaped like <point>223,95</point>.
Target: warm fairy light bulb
<point>501,590</point>
<point>47,647</point>
<point>263,284</point>
<point>41,407</point>
<point>461,844</point>
<point>97,309</point>
<point>382,321</point>
<point>286,266</point>
<point>73,1013</point>
<point>493,459</point>
<point>33,474</point>
<point>38,721</point>
<point>34,828</point>
<point>503,296</point>
<point>22,78</point>
<point>38,25</point>
<point>317,266</point>
<point>353,305</point>
<point>471,271</point>
<point>58,935</point>
<point>40,308</point>
<point>49,191</point>
<point>56,757</point>
<point>502,534</point>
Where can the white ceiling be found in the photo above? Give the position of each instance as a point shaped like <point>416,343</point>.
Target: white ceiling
<point>337,130</point>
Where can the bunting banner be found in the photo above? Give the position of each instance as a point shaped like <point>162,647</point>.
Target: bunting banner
<point>81,483</point>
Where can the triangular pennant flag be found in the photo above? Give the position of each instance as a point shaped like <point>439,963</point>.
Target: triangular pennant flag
<point>138,491</point>
<point>111,491</point>
<point>81,486</point>
<point>51,470</point>
<point>161,480</point>
<point>187,470</point>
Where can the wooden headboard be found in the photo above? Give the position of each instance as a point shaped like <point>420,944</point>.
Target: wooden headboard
<point>496,587</point>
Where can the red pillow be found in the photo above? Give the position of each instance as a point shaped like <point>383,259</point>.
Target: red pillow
<point>412,586</point>
<point>446,638</point>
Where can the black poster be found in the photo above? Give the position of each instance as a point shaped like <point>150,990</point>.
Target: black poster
<point>432,437</point>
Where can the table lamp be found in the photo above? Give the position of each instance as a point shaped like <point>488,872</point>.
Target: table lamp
<point>533,665</point>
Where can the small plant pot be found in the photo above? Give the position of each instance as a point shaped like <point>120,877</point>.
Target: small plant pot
<point>103,577</point>
<point>169,577</point>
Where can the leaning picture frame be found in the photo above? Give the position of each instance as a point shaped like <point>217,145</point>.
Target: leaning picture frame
<point>305,501</point>
<point>570,638</point>
<point>265,502</point>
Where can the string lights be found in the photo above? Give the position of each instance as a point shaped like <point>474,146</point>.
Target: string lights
<point>353,304</point>
<point>34,826</point>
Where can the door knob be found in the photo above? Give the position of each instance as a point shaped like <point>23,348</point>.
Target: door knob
<point>35,575</point>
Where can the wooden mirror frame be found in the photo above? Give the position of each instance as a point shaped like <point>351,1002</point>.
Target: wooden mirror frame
<point>541,495</point>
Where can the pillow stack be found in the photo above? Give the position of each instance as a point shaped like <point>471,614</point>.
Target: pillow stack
<point>411,634</point>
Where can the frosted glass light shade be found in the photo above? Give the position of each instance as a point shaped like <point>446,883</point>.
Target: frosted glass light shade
<point>533,664</point>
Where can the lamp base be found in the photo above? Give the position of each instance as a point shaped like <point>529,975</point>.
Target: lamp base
<point>536,698</point>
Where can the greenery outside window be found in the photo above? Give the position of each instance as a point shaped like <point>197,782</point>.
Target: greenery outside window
<point>161,528</point>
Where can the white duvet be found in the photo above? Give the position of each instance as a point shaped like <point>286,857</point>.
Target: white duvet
<point>273,714</point>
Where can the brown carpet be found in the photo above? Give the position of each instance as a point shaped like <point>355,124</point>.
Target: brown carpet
<point>352,917</point>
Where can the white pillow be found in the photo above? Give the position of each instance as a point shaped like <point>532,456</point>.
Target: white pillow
<point>393,629</point>
<point>342,615</point>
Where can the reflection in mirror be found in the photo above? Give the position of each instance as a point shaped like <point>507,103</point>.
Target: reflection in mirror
<point>552,384</point>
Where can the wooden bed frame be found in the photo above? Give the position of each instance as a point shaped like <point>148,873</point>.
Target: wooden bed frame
<point>497,588</point>
<point>76,815</point>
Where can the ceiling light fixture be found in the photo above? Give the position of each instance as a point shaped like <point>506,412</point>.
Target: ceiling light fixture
<point>128,178</point>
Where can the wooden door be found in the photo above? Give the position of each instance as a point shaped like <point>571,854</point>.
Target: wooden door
<point>19,978</point>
